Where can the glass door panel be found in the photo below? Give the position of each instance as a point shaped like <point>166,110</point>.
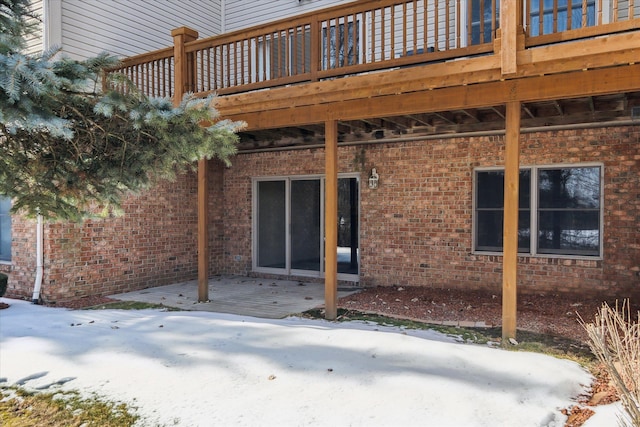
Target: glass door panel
<point>348,225</point>
<point>272,248</point>
<point>305,224</point>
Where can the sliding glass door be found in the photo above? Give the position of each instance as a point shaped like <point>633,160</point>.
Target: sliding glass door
<point>288,226</point>
<point>305,223</point>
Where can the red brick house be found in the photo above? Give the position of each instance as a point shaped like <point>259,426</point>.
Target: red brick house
<point>381,138</point>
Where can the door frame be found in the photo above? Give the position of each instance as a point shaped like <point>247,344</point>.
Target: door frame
<point>288,271</point>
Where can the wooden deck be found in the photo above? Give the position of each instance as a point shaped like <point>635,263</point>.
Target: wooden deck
<point>386,70</point>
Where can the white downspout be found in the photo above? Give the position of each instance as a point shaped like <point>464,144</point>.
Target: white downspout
<point>39,268</point>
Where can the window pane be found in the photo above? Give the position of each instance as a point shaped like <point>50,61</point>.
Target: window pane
<point>5,229</point>
<point>271,224</point>
<point>484,7</point>
<point>569,188</point>
<point>343,45</point>
<point>305,224</point>
<point>348,225</point>
<point>569,232</point>
<point>489,210</point>
<point>555,16</point>
<point>490,189</point>
<point>490,229</point>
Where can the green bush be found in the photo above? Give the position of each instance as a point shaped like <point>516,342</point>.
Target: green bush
<point>4,279</point>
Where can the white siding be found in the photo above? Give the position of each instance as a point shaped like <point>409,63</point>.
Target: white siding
<point>242,13</point>
<point>35,40</point>
<point>130,27</point>
<point>623,10</point>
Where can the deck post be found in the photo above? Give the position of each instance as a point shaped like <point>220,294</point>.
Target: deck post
<point>510,37</point>
<point>331,220</point>
<point>182,84</point>
<point>182,77</point>
<point>510,233</point>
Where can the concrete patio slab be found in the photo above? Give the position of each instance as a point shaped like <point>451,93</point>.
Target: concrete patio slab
<point>248,296</point>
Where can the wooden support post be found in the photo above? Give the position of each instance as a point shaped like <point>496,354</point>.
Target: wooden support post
<point>182,77</point>
<point>331,220</point>
<point>510,234</point>
<point>182,84</point>
<point>509,34</point>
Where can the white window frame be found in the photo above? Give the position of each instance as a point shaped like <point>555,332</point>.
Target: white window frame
<point>533,191</point>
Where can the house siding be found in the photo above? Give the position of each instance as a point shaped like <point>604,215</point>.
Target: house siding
<point>130,27</point>
<point>416,228</point>
<point>34,44</point>
<point>236,16</point>
<point>120,27</point>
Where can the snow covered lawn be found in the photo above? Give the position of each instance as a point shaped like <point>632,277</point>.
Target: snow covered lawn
<point>206,369</point>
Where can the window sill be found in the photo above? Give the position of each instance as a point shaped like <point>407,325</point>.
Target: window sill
<point>551,256</point>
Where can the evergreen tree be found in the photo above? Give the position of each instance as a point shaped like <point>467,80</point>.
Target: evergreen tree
<point>69,150</point>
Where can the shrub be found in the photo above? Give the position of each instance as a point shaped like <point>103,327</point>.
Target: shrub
<point>615,340</point>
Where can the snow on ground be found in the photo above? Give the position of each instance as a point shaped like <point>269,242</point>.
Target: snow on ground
<point>206,369</point>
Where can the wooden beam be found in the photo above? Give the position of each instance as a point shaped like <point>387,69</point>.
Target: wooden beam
<point>420,119</point>
<point>510,233</point>
<point>558,107</point>
<point>472,115</point>
<point>498,112</point>
<point>331,220</point>
<point>533,89</point>
<point>613,50</point>
<point>528,111</point>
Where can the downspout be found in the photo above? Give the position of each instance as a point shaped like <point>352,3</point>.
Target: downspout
<point>39,268</point>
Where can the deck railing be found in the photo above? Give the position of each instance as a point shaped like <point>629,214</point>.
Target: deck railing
<point>152,73</point>
<point>552,21</point>
<point>367,36</point>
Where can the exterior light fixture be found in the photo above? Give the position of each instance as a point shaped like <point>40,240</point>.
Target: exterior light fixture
<point>373,179</point>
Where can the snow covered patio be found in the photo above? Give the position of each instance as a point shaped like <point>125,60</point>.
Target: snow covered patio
<point>196,368</point>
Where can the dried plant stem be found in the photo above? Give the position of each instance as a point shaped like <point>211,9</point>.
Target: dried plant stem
<point>614,339</point>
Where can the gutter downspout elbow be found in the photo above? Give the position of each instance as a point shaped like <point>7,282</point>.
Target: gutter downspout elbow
<point>39,268</point>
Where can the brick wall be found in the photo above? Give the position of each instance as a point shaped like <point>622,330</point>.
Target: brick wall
<point>153,243</point>
<point>416,228</point>
<point>22,268</point>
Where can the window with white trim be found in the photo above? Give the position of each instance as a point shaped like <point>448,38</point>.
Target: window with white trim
<point>559,210</point>
<point>5,229</point>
